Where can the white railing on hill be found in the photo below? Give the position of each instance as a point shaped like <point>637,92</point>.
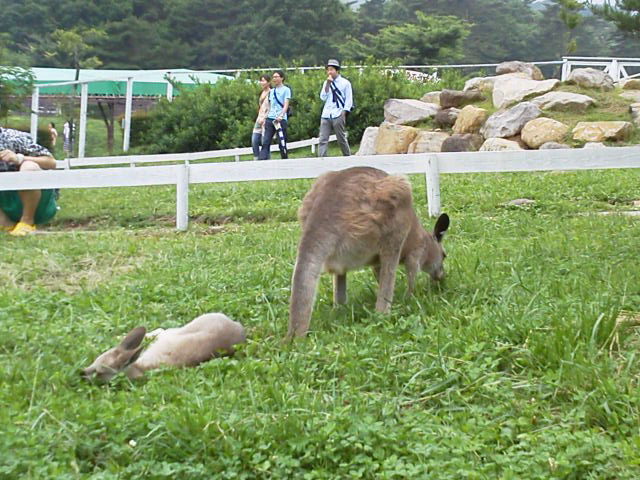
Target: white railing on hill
<point>432,165</point>
<point>134,160</point>
<point>615,67</point>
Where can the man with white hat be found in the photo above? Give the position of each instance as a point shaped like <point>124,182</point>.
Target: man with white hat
<point>337,96</point>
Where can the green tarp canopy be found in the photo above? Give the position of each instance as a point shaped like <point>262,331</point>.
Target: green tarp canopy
<point>147,83</point>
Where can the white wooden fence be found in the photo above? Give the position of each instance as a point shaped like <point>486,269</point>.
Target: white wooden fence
<point>615,67</point>
<point>432,165</point>
<point>133,160</point>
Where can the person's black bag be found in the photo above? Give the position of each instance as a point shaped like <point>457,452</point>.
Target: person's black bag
<point>289,111</point>
<point>8,167</point>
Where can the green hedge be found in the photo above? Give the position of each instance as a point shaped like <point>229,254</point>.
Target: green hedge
<point>221,116</point>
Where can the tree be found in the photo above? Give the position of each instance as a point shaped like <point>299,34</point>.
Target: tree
<point>624,13</point>
<point>431,39</point>
<point>15,84</point>
<point>74,48</point>
<point>571,17</point>
<point>499,29</point>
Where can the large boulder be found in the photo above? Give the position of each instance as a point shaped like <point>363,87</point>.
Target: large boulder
<point>591,78</point>
<point>543,130</point>
<point>394,138</point>
<point>457,98</point>
<point>634,109</point>
<point>428,142</point>
<point>499,145</point>
<point>633,95</point>
<point>601,131</point>
<point>564,102</point>
<point>528,69</point>
<point>485,84</point>
<point>508,89</point>
<point>518,140</point>
<point>462,142</point>
<point>630,84</point>
<point>446,117</point>
<point>368,142</point>
<point>553,146</point>
<point>509,122</point>
<point>407,111</point>
<point>470,120</point>
<point>431,97</point>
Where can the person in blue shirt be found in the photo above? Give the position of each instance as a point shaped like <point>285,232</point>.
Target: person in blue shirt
<point>337,96</point>
<point>279,98</point>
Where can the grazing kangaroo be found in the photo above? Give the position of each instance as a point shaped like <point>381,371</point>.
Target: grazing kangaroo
<point>210,335</point>
<point>356,217</point>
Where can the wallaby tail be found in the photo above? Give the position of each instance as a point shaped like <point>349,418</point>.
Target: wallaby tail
<point>306,274</point>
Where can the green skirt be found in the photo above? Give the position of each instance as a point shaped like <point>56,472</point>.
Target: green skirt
<point>11,205</point>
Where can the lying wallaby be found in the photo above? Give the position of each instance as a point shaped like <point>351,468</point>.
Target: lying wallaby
<point>210,335</point>
<point>356,217</point>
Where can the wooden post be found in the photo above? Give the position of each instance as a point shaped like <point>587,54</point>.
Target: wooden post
<point>35,105</point>
<point>169,91</point>
<point>182,197</point>
<point>614,70</point>
<point>566,69</point>
<point>127,115</point>
<point>433,185</point>
<point>82,139</point>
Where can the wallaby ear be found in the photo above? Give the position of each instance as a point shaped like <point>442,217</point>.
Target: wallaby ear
<point>134,357</point>
<point>133,339</point>
<point>442,224</point>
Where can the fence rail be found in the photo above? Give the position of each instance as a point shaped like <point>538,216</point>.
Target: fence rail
<point>134,160</point>
<point>432,165</point>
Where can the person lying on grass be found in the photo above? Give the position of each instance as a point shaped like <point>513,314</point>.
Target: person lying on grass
<point>20,211</point>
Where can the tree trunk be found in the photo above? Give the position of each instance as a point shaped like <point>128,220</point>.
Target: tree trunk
<point>108,118</point>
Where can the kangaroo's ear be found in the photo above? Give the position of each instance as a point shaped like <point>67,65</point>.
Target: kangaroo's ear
<point>133,339</point>
<point>442,224</point>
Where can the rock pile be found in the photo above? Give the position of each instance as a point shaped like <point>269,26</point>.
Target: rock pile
<point>521,96</point>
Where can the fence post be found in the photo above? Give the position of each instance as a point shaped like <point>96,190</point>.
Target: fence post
<point>170,91</point>
<point>566,69</point>
<point>432,175</point>
<point>182,197</point>
<point>127,115</point>
<point>82,139</point>
<point>35,106</point>
<point>614,70</point>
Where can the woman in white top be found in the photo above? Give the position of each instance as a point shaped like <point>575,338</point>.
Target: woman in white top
<point>263,110</point>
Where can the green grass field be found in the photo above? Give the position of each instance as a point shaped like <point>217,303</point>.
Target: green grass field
<point>518,366</point>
